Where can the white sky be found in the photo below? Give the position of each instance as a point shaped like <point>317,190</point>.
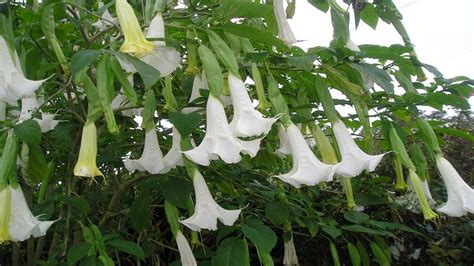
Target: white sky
<point>442,31</point>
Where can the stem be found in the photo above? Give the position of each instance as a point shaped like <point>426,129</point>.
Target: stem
<point>347,186</point>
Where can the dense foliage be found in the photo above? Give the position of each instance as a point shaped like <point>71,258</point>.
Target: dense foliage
<point>114,215</point>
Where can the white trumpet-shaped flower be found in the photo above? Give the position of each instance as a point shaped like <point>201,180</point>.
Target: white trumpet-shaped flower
<point>207,211</point>
<point>460,195</point>
<point>354,160</point>
<point>13,84</point>
<point>290,258</point>
<point>284,30</point>
<point>247,121</point>
<point>284,147</point>
<point>307,169</point>
<point>28,105</point>
<point>152,157</point>
<point>197,85</point>
<point>17,221</point>
<point>219,140</point>
<point>185,251</point>
<point>162,58</point>
<point>174,157</point>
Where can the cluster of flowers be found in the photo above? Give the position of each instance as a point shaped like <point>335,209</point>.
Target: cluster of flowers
<point>222,139</point>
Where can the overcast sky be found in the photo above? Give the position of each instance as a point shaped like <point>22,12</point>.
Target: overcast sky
<point>442,31</point>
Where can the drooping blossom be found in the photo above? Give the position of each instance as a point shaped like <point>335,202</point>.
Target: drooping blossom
<point>13,83</point>
<point>460,194</point>
<point>174,157</point>
<point>247,121</point>
<point>185,251</point>
<point>86,163</point>
<point>152,157</point>
<point>28,106</point>
<point>290,258</point>
<point>17,223</point>
<point>284,30</point>
<point>207,211</point>
<point>354,160</point>
<point>307,169</point>
<point>219,140</point>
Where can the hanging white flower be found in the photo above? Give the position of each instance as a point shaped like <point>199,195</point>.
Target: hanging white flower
<point>460,195</point>
<point>185,251</point>
<point>354,160</point>
<point>28,106</point>
<point>284,30</point>
<point>207,211</point>
<point>284,147</point>
<point>174,157</point>
<point>162,58</point>
<point>219,140</point>
<point>247,121</point>
<point>17,221</point>
<point>152,157</point>
<point>307,169</point>
<point>290,258</point>
<point>198,84</point>
<point>13,84</point>
<point>106,20</point>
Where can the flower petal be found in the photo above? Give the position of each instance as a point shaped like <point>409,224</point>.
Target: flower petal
<point>174,157</point>
<point>284,30</point>
<point>460,194</point>
<point>152,157</point>
<point>247,121</point>
<point>354,160</point>
<point>164,59</point>
<point>307,169</point>
<point>185,251</point>
<point>157,29</point>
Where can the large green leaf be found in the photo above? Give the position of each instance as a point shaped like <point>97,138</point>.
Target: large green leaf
<point>29,132</point>
<point>377,75</point>
<point>277,212</point>
<point>231,252</point>
<point>140,211</point>
<point>256,35</point>
<point>176,190</point>
<point>185,123</point>
<point>82,59</point>
<point>261,235</point>
<point>127,247</point>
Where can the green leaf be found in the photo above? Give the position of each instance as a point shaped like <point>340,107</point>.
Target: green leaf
<point>340,27</point>
<point>231,252</point>
<point>362,229</point>
<point>377,75</point>
<point>29,132</point>
<point>256,35</point>
<point>224,52</point>
<point>277,212</point>
<point>405,81</point>
<point>354,254</point>
<point>320,4</point>
<point>119,73</point>
<point>265,258</point>
<point>140,211</point>
<point>332,231</point>
<point>369,15</point>
<point>176,190</point>
<point>341,81</point>
<point>77,252</point>
<point>127,247</point>
<point>364,255</point>
<point>334,254</point>
<point>379,254</point>
<point>149,74</point>
<point>82,59</point>
<point>37,165</point>
<point>456,133</point>
<point>437,99</point>
<point>389,225</point>
<point>393,52</point>
<point>261,235</point>
<point>247,9</point>
<point>185,123</point>
<point>215,80</point>
<point>304,62</point>
<point>356,217</point>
